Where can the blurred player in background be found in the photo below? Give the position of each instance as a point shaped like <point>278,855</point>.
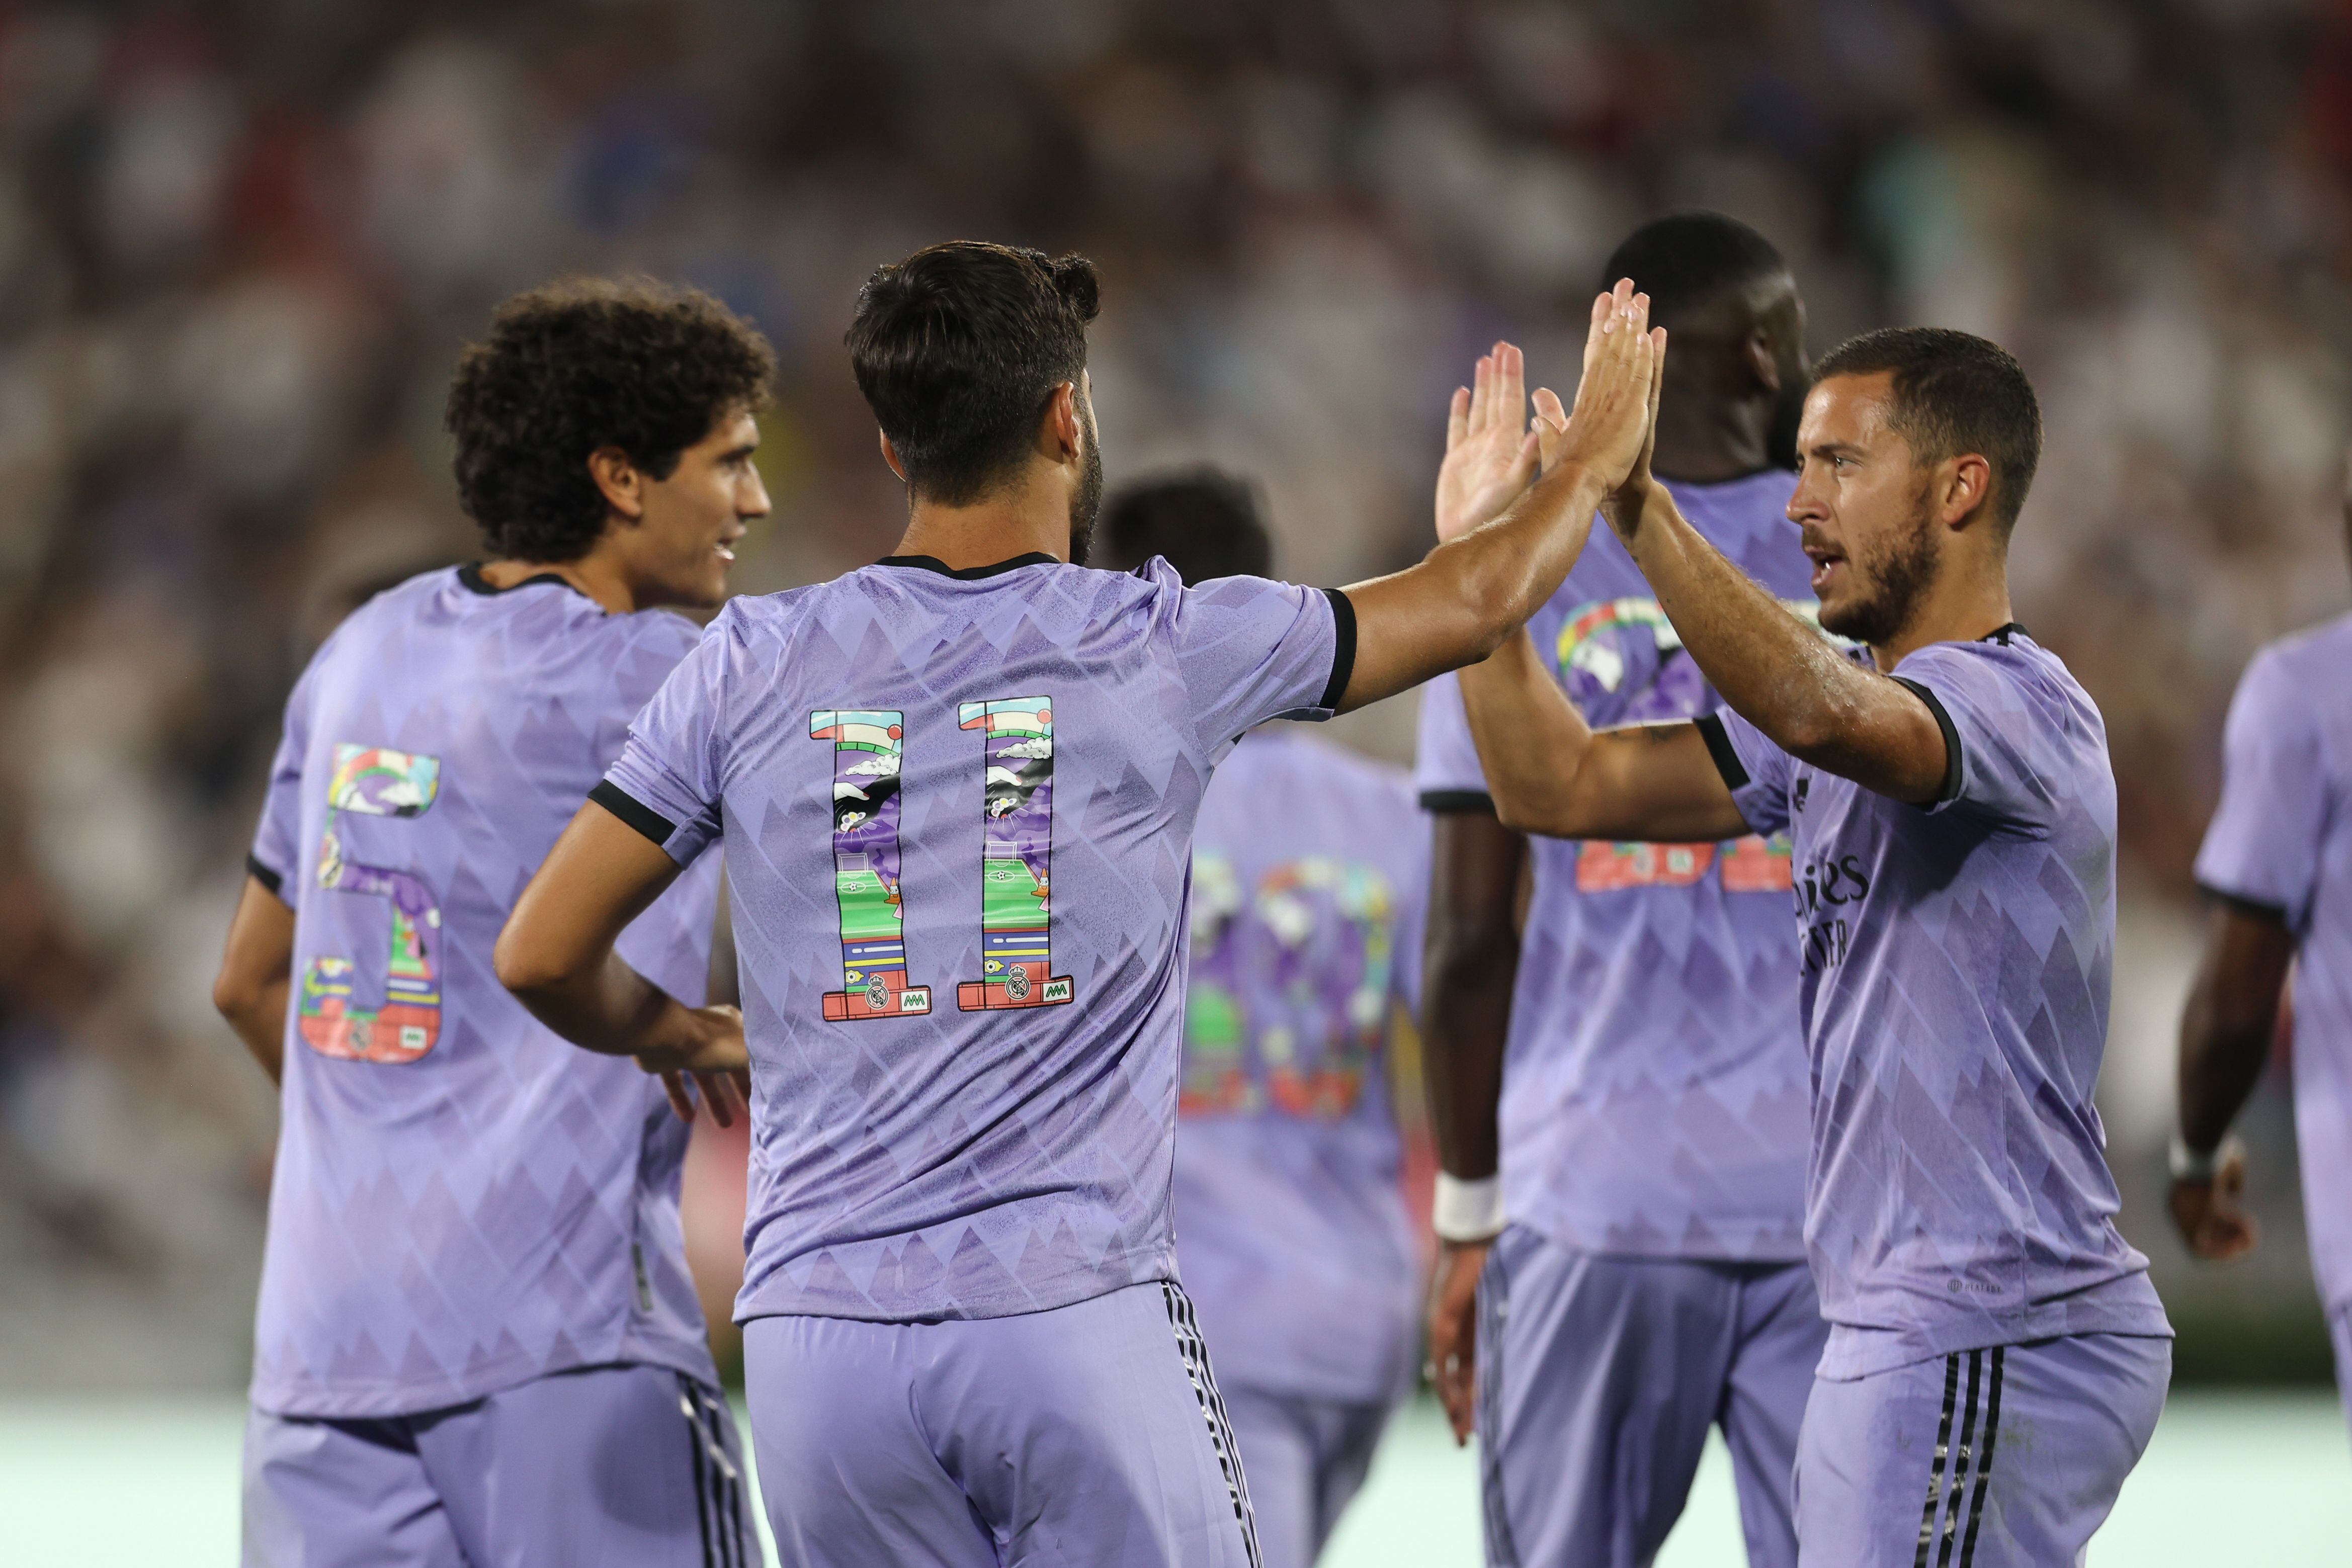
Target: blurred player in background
<point>478,1340</point>
<point>961,786</point>
<point>1649,1110</point>
<point>2277,863</point>
<point>1309,865</point>
<point>1997,1358</point>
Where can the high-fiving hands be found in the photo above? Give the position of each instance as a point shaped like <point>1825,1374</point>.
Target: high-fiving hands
<point>1491,451</point>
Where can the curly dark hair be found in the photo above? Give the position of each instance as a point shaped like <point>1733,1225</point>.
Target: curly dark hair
<point>583,364</point>
<point>957,348</point>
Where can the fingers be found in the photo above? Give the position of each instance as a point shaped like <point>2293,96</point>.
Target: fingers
<point>1510,387</point>
<point>1482,381</point>
<point>1457,418</point>
<point>719,1094</point>
<point>1549,408</point>
<point>681,1098</point>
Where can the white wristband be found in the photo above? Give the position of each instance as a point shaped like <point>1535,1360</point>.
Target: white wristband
<point>2188,1164</point>
<point>1467,1210</point>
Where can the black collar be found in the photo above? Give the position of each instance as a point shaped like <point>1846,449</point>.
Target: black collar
<point>470,574</point>
<point>967,573</point>
<point>2002,635</point>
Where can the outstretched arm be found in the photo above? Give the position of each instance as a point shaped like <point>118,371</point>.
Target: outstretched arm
<point>1461,601</point>
<point>556,954</point>
<point>2225,1038</point>
<point>1774,670</point>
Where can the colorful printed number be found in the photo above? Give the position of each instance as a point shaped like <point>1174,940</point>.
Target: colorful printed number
<point>376,781</point>
<point>1304,967</point>
<point>1016,958</point>
<point>1016,869</point>
<point>868,746</point>
<point>1751,864</point>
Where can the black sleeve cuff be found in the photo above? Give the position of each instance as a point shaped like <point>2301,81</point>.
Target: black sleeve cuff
<point>1951,789</point>
<point>1343,651</point>
<point>1718,745</point>
<point>2252,908</point>
<point>1458,802</point>
<point>634,812</point>
<point>272,880</point>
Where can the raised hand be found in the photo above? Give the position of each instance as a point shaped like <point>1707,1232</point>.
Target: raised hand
<point>1490,453</point>
<point>1609,430</point>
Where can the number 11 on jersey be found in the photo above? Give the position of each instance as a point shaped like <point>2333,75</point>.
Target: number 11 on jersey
<point>1016,857</point>
<point>868,744</point>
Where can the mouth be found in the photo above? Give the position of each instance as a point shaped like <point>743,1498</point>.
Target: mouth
<point>1826,563</point>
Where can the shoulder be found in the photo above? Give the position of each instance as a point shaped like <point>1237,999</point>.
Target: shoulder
<point>2314,659</point>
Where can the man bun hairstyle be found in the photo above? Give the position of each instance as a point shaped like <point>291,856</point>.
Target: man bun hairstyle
<point>580,365</point>
<point>1206,522</point>
<point>1684,260</point>
<point>1954,392</point>
<point>958,347</point>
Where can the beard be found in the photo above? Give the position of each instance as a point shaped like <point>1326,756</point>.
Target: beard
<point>1085,503</point>
<point>1895,575</point>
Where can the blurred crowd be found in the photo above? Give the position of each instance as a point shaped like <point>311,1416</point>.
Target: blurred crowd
<point>241,240</point>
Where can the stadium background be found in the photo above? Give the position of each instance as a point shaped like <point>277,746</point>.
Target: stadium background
<point>241,241</point>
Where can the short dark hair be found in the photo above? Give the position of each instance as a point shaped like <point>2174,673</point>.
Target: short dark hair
<point>1685,260</point>
<point>579,365</point>
<point>1954,392</point>
<point>1206,522</point>
<point>957,348</point>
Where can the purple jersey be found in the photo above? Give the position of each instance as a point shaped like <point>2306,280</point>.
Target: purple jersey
<point>462,1200</point>
<point>1309,872</point>
<point>1956,961</point>
<point>2283,840</point>
<point>1654,1092</point>
<point>961,805</point>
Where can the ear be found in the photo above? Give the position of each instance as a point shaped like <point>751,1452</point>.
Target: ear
<point>890,455</point>
<point>1965,486</point>
<point>1761,362</point>
<point>620,480</point>
<point>1061,434</point>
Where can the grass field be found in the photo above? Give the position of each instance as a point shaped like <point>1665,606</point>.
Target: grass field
<point>2232,1479</point>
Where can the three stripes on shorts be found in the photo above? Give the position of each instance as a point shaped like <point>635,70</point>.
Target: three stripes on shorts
<point>718,1480</point>
<point>1194,1351</point>
<point>1959,1476</point>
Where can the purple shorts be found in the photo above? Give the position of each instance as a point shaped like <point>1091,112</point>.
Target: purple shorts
<point>2005,1457</point>
<point>611,1466</point>
<point>1090,1436</point>
<point>1599,1378</point>
<point>1306,1460</point>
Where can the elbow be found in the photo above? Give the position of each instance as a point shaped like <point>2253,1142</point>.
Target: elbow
<point>523,968</point>
<point>234,996</point>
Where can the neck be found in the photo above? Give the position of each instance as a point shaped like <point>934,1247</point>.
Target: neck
<point>1971,606</point>
<point>1031,518</point>
<point>1706,441</point>
<point>595,574</point>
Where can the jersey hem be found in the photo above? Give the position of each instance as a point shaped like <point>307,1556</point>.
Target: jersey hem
<point>1772,1251</point>
<point>314,1403</point>
<point>770,1302</point>
<point>634,813</point>
<point>1343,649</point>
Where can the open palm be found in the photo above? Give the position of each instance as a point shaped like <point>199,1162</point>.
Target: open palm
<point>1490,453</point>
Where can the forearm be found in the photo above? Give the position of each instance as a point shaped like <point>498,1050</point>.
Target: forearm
<point>1471,961</point>
<point>1469,595</point>
<point>2226,1026</point>
<point>606,1007</point>
<point>1776,671</point>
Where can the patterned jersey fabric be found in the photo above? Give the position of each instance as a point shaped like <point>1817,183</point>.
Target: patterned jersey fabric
<point>1309,869</point>
<point>2281,840</point>
<point>1654,1093</point>
<point>462,1201</point>
<point>959,808</point>
<point>1955,963</point>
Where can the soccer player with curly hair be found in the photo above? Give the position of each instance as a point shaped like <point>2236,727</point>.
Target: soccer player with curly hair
<point>478,1341</point>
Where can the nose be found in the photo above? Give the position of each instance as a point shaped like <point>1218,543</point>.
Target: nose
<point>1809,502</point>
<point>752,499</point>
